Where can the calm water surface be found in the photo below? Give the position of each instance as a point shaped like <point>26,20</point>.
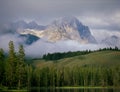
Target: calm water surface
<point>75,90</point>
<point>71,90</point>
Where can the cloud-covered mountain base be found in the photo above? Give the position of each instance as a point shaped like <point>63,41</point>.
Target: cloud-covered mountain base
<point>62,35</point>
<point>41,47</point>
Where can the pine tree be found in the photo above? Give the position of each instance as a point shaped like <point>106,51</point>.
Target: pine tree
<point>20,69</point>
<point>29,76</point>
<point>21,54</point>
<point>10,69</point>
<point>2,57</point>
<point>11,52</point>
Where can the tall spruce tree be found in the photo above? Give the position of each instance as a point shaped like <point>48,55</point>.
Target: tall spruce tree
<point>10,69</point>
<point>21,54</point>
<point>11,52</point>
<point>2,57</point>
<point>20,69</point>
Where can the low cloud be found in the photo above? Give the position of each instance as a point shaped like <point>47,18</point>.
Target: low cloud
<point>6,38</point>
<point>41,47</point>
<point>101,34</point>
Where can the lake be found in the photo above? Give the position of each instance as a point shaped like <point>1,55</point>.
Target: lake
<point>77,90</point>
<point>71,90</point>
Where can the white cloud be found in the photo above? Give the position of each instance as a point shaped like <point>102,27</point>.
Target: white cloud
<point>115,18</point>
<point>101,34</point>
<point>93,21</point>
<point>104,22</point>
<point>41,47</point>
<point>5,39</point>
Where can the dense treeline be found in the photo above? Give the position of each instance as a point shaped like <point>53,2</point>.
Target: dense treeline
<point>77,76</point>
<point>13,70</point>
<point>57,56</point>
<point>15,73</point>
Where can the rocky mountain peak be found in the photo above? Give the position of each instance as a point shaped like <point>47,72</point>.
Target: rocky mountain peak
<point>66,28</point>
<point>69,21</point>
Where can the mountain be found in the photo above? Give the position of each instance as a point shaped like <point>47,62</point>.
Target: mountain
<point>66,28</point>
<point>24,25</point>
<point>29,39</point>
<point>111,41</point>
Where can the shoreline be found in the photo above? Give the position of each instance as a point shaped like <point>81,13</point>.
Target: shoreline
<point>65,87</point>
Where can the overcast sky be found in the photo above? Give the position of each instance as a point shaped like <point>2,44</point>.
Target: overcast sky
<point>97,14</point>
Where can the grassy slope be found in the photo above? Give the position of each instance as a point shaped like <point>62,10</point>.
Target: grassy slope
<point>104,58</point>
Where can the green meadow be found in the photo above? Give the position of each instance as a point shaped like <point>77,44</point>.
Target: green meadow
<point>98,58</point>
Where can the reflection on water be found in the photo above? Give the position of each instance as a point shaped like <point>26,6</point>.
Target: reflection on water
<point>74,90</point>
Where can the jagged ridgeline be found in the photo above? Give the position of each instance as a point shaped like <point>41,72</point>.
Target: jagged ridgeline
<point>65,28</point>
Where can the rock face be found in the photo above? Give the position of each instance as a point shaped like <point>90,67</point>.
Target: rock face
<point>66,28</point>
<point>29,39</point>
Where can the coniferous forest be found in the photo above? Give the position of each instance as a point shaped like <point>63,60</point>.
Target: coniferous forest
<point>16,73</point>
